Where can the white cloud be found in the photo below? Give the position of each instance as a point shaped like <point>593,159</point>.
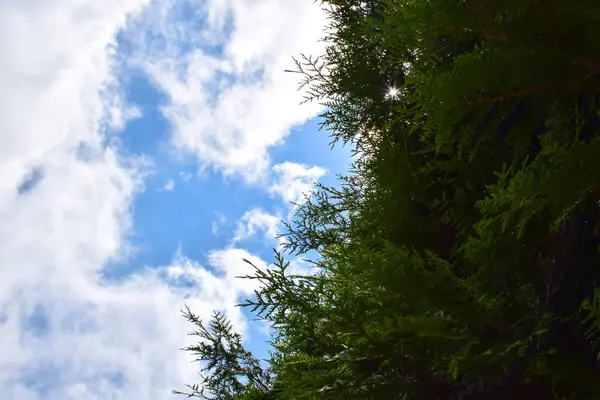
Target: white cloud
<point>255,221</point>
<point>293,181</point>
<point>65,333</point>
<point>120,114</point>
<point>132,330</point>
<point>169,186</point>
<point>55,99</point>
<point>230,123</point>
<point>220,288</point>
<point>231,262</point>
<point>186,176</point>
<point>218,223</point>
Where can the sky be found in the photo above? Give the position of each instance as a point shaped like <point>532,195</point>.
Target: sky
<point>146,147</point>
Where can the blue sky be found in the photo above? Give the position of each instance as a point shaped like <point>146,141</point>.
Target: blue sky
<point>147,147</point>
<point>179,208</point>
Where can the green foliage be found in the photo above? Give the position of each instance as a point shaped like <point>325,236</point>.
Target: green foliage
<point>231,371</point>
<point>459,258</point>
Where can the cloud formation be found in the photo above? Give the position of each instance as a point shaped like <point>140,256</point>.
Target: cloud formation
<point>228,109</point>
<point>293,181</point>
<point>256,221</point>
<point>66,192</point>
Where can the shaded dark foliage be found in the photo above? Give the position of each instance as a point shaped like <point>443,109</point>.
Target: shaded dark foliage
<point>459,259</point>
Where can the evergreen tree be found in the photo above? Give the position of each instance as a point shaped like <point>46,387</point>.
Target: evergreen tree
<point>460,258</point>
<point>231,372</point>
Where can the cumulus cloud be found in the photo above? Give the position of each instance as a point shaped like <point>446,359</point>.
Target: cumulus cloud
<point>54,103</point>
<point>257,221</point>
<point>65,199</point>
<point>219,285</point>
<point>93,341</point>
<point>293,181</point>
<point>231,262</point>
<point>229,109</point>
<point>66,195</point>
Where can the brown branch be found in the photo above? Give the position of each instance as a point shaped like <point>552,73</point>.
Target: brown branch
<point>497,36</point>
<point>489,22</point>
<point>591,190</point>
<point>549,292</point>
<point>464,31</point>
<point>366,334</point>
<point>595,71</point>
<point>550,26</point>
<point>535,89</point>
<point>518,93</point>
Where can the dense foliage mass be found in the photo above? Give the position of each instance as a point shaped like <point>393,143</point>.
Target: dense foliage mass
<point>460,258</point>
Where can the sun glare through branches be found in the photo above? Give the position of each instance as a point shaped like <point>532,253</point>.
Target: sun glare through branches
<point>392,93</point>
